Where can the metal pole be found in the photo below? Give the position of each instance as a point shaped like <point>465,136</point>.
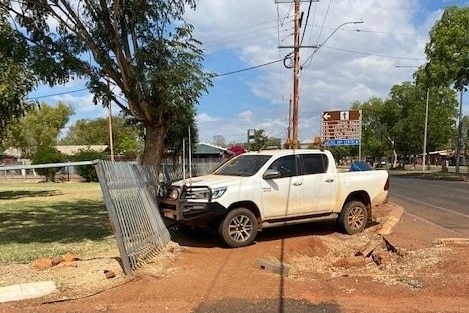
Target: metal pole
<point>296,72</point>
<point>458,144</point>
<point>111,142</point>
<point>425,133</point>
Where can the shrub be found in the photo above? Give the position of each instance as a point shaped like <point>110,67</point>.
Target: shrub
<point>46,155</point>
<point>88,172</point>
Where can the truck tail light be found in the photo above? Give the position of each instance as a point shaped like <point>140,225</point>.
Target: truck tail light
<point>386,185</point>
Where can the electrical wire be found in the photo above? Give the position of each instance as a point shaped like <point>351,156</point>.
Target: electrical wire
<point>324,22</point>
<point>306,22</point>
<point>246,69</point>
<point>57,94</point>
<point>374,54</point>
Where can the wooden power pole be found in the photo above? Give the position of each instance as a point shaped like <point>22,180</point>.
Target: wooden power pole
<point>296,74</point>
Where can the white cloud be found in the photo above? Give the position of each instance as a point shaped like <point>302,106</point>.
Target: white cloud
<point>352,65</point>
<point>246,115</point>
<point>204,118</point>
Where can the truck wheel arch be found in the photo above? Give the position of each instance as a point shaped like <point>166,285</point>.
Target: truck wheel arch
<point>248,205</point>
<point>364,198</point>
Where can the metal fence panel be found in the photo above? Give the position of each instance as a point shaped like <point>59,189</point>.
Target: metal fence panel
<point>129,191</point>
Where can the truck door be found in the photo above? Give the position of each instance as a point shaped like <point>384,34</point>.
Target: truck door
<point>320,187</point>
<point>283,196</point>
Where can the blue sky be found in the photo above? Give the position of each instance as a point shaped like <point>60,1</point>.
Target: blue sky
<point>357,62</point>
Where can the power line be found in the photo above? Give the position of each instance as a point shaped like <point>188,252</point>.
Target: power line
<point>306,22</point>
<point>57,94</point>
<point>247,69</point>
<point>324,22</point>
<point>374,54</point>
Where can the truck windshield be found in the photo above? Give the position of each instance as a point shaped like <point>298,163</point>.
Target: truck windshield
<point>242,165</point>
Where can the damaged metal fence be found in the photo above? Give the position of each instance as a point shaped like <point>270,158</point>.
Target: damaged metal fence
<point>129,191</point>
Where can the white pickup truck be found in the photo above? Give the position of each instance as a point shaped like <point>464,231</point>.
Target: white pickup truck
<point>270,188</point>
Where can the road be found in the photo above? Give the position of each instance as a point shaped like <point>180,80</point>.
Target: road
<point>445,203</point>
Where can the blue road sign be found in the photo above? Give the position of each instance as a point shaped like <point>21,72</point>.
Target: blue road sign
<point>342,142</point>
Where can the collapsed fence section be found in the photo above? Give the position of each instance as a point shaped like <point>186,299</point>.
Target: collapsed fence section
<point>129,191</point>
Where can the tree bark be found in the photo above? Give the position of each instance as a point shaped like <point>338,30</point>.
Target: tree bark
<point>154,144</point>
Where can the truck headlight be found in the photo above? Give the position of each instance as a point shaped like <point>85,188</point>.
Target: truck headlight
<point>218,192</point>
<point>174,194</point>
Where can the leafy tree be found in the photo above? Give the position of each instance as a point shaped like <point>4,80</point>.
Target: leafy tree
<point>16,80</point>
<point>126,138</point>
<point>46,155</point>
<point>378,127</point>
<point>88,172</point>
<point>396,125</point>
<point>261,141</point>
<point>448,50</point>
<point>465,135</point>
<point>442,106</point>
<point>182,129</point>
<point>341,152</point>
<point>219,140</point>
<point>144,48</point>
<point>40,127</point>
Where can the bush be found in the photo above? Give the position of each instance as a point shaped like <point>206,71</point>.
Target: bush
<point>88,172</point>
<point>46,155</point>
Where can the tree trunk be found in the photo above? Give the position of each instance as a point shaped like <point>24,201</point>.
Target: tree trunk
<point>154,144</point>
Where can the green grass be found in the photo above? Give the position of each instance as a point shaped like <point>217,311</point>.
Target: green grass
<point>50,219</point>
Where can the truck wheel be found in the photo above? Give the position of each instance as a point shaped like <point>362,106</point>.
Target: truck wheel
<point>353,217</point>
<point>238,228</point>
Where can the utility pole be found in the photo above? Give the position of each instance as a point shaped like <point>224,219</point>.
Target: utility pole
<point>292,140</point>
<point>296,75</point>
<point>288,143</point>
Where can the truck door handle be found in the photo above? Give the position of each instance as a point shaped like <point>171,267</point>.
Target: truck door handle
<point>298,183</point>
<point>329,180</point>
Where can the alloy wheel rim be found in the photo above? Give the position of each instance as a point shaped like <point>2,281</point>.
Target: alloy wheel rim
<point>240,228</point>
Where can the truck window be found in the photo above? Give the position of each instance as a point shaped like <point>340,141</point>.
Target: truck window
<point>315,163</point>
<point>286,166</point>
<point>242,165</point>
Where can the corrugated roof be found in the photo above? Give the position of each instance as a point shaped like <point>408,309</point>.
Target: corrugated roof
<point>71,150</point>
<point>206,148</point>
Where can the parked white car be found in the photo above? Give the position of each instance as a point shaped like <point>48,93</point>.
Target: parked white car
<point>270,188</point>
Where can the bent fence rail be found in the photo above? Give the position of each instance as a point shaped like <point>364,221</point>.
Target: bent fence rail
<point>129,191</point>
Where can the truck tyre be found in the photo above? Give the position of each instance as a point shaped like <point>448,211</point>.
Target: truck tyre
<point>353,217</point>
<point>238,228</point>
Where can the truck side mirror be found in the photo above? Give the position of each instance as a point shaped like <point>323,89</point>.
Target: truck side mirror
<point>271,174</point>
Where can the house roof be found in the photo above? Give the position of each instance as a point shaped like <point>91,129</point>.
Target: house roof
<point>67,150</point>
<point>71,149</point>
<point>206,148</point>
<point>13,152</point>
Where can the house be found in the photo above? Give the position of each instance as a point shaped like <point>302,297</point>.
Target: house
<point>205,152</point>
<point>70,150</point>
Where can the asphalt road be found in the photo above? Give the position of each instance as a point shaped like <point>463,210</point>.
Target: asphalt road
<point>445,203</point>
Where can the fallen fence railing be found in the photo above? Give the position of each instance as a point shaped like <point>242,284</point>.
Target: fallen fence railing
<point>129,191</point>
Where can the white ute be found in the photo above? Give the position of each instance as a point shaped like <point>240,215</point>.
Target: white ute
<point>270,188</point>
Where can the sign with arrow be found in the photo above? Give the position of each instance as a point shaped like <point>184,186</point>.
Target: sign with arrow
<point>341,128</point>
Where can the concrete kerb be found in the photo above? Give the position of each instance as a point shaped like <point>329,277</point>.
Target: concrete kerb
<point>393,218</point>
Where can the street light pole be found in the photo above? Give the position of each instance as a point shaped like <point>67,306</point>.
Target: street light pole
<point>458,144</point>
<point>425,132</point>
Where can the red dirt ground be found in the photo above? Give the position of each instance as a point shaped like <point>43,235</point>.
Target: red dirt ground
<point>201,275</point>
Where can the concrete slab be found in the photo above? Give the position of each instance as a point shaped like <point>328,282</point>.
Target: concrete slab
<point>26,291</point>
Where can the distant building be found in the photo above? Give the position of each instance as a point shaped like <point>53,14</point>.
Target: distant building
<point>205,152</point>
<point>73,149</point>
